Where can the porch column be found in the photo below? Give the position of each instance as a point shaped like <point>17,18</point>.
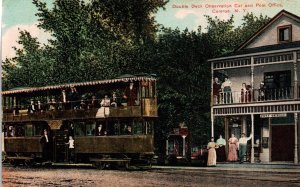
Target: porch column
<point>212,123</point>
<point>183,148</point>
<point>167,146</point>
<point>296,139</point>
<point>244,125</point>
<point>252,79</point>
<point>252,73</point>
<point>252,139</point>
<point>295,75</point>
<point>227,136</point>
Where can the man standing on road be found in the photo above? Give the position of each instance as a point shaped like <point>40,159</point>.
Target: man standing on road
<point>243,146</point>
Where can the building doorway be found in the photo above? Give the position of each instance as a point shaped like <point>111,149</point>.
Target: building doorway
<point>283,142</point>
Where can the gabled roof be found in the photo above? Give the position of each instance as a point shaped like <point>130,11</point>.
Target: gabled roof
<point>126,78</point>
<point>267,25</point>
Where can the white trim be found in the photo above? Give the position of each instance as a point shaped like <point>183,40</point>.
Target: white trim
<point>258,104</point>
<point>254,65</point>
<point>255,54</point>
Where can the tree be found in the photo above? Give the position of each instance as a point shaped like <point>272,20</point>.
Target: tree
<point>90,40</point>
<point>29,66</point>
<point>103,39</point>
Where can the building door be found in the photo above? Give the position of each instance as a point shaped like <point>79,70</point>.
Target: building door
<point>283,142</point>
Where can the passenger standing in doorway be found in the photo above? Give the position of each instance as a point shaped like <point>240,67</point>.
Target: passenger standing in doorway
<point>71,130</point>
<point>71,149</point>
<point>243,146</point>
<point>233,146</point>
<point>46,146</point>
<point>212,155</point>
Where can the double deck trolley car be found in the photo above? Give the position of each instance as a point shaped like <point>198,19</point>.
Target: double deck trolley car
<point>111,122</point>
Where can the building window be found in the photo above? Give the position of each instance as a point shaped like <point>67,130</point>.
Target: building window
<point>285,33</point>
<point>278,85</point>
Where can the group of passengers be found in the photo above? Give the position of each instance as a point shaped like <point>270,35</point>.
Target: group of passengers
<point>73,100</point>
<point>101,131</point>
<point>12,131</point>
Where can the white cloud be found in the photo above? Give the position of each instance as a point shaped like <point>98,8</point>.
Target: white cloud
<point>11,36</point>
<point>181,14</point>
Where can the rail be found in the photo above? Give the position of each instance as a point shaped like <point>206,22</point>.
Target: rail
<point>253,96</point>
<point>79,109</point>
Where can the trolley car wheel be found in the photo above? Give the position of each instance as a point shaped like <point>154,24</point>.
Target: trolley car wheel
<point>13,162</point>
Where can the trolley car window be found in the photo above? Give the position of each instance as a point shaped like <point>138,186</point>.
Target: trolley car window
<point>116,128</point>
<point>80,129</point>
<point>28,130</point>
<point>125,128</point>
<point>112,128</point>
<point>90,128</point>
<point>149,127</point>
<point>148,89</point>
<point>138,127</point>
<point>38,129</point>
<point>20,131</point>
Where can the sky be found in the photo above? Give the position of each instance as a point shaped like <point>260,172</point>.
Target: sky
<point>20,15</point>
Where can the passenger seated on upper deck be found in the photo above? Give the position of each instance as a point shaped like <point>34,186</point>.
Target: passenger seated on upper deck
<point>94,103</point>
<point>83,104</point>
<point>105,101</point>
<point>40,106</point>
<point>74,98</point>
<point>52,104</point>
<point>63,100</point>
<point>114,100</point>
<point>32,107</point>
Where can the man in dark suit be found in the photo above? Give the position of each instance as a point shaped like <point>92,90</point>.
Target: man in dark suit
<point>99,131</point>
<point>71,130</point>
<point>46,146</point>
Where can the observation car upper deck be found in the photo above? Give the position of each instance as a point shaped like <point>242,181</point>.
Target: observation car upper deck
<point>131,96</point>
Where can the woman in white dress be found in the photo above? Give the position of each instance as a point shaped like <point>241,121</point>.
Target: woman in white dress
<point>212,156</point>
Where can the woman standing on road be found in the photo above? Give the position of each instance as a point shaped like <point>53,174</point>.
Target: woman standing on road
<point>212,156</point>
<point>233,146</point>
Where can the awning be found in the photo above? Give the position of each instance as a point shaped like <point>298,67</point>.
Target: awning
<point>98,82</point>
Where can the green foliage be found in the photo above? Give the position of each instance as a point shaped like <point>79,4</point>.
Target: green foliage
<point>103,39</point>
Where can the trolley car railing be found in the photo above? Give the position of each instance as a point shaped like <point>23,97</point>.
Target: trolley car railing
<point>147,108</point>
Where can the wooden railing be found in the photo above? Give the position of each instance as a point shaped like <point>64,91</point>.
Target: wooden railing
<point>255,95</point>
<point>149,109</point>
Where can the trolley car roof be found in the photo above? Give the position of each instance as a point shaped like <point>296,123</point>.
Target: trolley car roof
<point>61,86</point>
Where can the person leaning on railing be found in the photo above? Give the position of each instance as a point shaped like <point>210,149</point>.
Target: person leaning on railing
<point>226,89</point>
<point>216,90</point>
<point>261,92</point>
